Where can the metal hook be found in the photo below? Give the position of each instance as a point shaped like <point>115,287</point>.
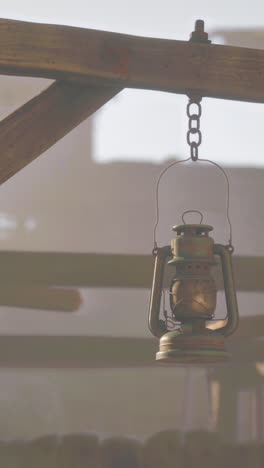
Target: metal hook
<point>192,211</point>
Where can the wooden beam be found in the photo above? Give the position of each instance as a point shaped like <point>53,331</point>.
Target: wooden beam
<point>76,269</point>
<point>40,297</point>
<point>77,352</point>
<point>44,120</point>
<point>107,270</point>
<point>249,327</point>
<point>111,59</point>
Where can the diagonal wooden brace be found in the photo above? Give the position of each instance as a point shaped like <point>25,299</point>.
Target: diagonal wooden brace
<point>44,120</point>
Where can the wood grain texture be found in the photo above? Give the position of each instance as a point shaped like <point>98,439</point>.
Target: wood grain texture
<point>44,120</point>
<point>107,270</point>
<point>112,59</point>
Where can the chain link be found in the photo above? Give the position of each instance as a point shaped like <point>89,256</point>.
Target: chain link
<point>194,135</point>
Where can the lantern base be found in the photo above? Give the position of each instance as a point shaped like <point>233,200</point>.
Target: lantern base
<point>177,347</point>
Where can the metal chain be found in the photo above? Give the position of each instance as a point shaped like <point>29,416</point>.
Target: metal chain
<point>194,135</point>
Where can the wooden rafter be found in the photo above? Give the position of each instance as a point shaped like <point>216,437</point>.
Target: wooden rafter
<point>106,270</point>
<point>112,59</point>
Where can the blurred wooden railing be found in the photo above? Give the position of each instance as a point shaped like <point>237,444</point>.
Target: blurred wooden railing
<point>168,449</point>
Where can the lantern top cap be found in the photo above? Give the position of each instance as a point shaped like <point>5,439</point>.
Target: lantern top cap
<point>193,229</point>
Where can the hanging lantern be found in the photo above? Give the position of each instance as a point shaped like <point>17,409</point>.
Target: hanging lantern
<point>192,297</point>
<point>192,254</point>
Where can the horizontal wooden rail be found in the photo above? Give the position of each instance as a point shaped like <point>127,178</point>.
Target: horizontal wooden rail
<point>44,120</point>
<point>77,352</point>
<point>111,59</point>
<point>40,297</point>
<point>107,270</point>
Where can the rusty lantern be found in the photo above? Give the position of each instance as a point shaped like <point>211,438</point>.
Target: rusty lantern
<point>192,297</point>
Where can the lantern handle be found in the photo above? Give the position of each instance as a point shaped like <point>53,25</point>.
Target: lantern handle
<point>157,326</point>
<point>192,211</point>
<point>230,292</point>
<point>230,241</point>
<point>157,197</point>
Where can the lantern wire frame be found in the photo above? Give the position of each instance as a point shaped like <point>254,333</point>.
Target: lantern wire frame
<point>230,244</point>
<point>171,323</point>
